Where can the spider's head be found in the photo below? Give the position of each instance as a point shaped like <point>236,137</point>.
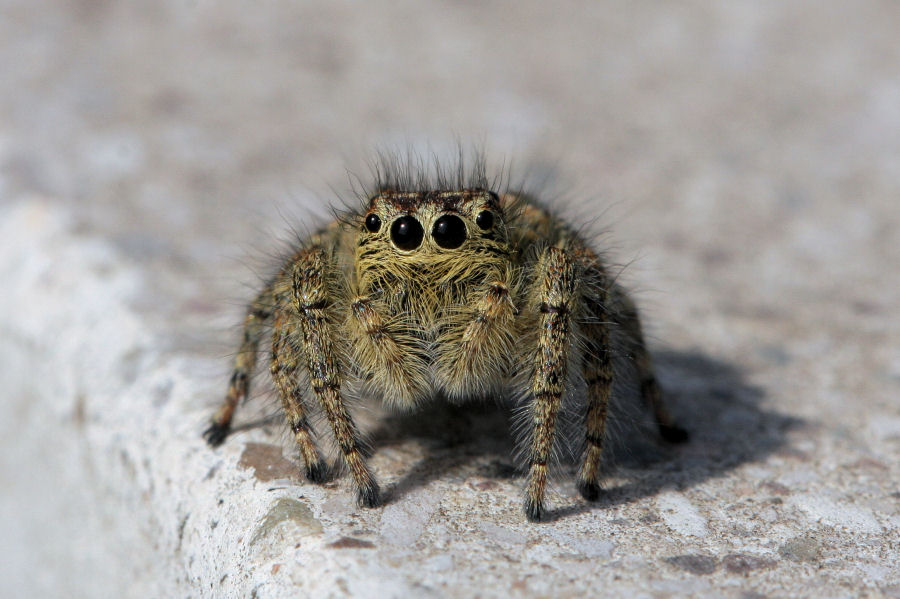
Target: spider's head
<point>441,236</point>
<point>433,221</point>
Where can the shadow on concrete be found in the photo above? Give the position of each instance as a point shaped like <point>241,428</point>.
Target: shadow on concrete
<point>708,397</point>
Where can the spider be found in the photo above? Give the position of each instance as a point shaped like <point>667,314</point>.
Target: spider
<point>439,286</point>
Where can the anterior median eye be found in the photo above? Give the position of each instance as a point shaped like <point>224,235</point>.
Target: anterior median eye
<point>449,231</point>
<point>407,233</point>
<point>373,223</point>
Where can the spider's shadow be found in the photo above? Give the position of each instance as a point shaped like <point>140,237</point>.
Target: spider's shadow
<point>709,398</point>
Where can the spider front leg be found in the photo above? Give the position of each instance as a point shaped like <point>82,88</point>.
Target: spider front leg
<point>285,368</point>
<point>481,341</point>
<point>555,287</point>
<point>400,371</point>
<point>315,315</point>
<point>258,314</point>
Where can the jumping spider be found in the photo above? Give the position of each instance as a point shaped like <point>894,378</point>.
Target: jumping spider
<point>441,287</point>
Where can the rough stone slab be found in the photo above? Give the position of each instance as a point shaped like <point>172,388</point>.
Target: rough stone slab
<point>130,502</point>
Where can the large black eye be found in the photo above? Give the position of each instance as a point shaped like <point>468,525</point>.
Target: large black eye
<point>407,233</point>
<point>485,220</point>
<point>373,223</point>
<point>449,231</point>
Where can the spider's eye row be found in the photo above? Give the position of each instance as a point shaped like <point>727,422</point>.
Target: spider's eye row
<point>449,231</point>
<point>407,233</point>
<point>485,219</point>
<point>373,223</point>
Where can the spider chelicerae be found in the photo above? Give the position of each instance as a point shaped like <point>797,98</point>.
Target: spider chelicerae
<point>441,286</point>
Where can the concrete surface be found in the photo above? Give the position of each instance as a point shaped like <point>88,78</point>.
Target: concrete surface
<point>746,157</point>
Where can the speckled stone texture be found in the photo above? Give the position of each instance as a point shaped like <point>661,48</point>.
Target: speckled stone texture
<point>744,156</point>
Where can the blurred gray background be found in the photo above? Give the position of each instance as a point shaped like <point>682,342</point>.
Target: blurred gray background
<point>746,157</point>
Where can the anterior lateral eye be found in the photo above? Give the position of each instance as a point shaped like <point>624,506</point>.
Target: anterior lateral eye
<point>485,220</point>
<point>407,233</point>
<point>373,223</point>
<point>449,231</point>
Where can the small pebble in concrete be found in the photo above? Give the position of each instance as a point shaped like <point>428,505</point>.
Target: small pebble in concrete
<point>283,510</point>
<point>844,515</point>
<point>681,516</point>
<point>593,547</point>
<point>403,522</point>
<point>804,548</point>
<point>267,462</point>
<point>351,543</point>
<point>741,563</point>
<point>502,534</point>
<point>693,563</point>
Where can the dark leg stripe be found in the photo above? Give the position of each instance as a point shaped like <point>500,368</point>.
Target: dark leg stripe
<point>548,309</point>
<point>347,446</point>
<point>599,379</point>
<point>300,425</point>
<point>317,305</point>
<point>595,440</point>
<point>326,387</point>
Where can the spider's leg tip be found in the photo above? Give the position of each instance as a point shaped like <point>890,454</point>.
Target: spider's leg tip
<point>589,490</point>
<point>216,433</point>
<point>370,495</point>
<point>673,434</point>
<point>317,472</point>
<point>534,510</point>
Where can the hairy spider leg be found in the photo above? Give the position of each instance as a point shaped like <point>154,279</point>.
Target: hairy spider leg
<point>398,360</point>
<point>285,368</point>
<point>477,340</point>
<point>258,315</point>
<point>598,376</point>
<point>556,290</point>
<point>650,389</point>
<point>316,322</point>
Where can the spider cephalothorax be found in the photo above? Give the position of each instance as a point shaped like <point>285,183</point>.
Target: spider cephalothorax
<point>434,290</point>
